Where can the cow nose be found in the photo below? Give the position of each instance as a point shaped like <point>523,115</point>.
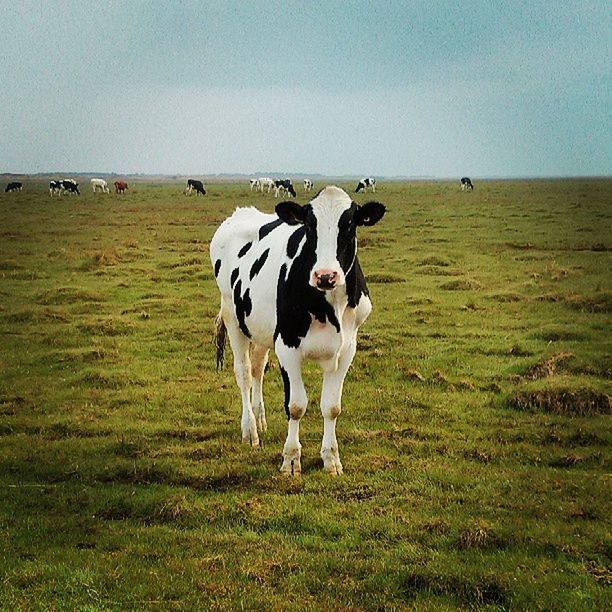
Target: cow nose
<point>325,279</point>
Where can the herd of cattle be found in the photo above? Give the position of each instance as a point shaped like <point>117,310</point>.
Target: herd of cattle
<point>61,186</point>
<point>263,184</point>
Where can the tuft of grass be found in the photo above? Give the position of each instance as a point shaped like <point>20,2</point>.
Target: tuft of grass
<point>481,538</point>
<point>384,278</point>
<point>68,295</point>
<point>109,326</point>
<point>566,401</point>
<point>102,258</point>
<point>461,284</point>
<point>600,302</point>
<point>546,367</point>
<point>468,592</point>
<point>434,260</point>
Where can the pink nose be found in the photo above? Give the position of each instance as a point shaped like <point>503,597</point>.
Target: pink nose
<point>324,278</point>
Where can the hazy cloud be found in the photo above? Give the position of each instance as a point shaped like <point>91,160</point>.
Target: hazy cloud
<point>506,88</point>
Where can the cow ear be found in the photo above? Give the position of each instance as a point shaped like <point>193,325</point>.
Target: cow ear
<point>369,213</point>
<point>291,212</point>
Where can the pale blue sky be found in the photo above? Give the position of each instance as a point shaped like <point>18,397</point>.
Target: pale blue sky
<point>495,88</point>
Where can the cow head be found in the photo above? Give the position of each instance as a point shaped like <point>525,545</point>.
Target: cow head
<point>331,221</point>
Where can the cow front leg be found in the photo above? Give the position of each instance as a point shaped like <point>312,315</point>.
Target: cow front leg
<point>259,359</point>
<point>242,370</point>
<point>296,401</point>
<point>331,407</point>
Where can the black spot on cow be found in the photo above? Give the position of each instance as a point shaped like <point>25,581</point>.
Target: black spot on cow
<point>264,230</point>
<point>287,389</point>
<point>294,241</point>
<point>243,251</point>
<point>355,285</point>
<point>258,264</point>
<point>243,306</point>
<point>233,276</point>
<point>346,247</point>
<point>217,267</point>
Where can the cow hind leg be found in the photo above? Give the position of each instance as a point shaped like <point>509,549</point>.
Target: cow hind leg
<point>259,359</point>
<point>242,370</point>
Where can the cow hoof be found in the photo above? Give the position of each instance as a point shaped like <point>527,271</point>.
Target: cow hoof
<point>335,469</point>
<point>250,440</point>
<point>291,467</point>
<point>262,425</point>
<point>331,461</point>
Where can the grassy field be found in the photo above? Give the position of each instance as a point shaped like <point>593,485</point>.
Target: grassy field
<point>475,434</point>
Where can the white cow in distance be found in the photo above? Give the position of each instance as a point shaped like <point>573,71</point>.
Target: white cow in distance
<point>98,184</point>
<point>265,182</point>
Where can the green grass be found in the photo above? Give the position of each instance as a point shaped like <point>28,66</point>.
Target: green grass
<point>475,434</point>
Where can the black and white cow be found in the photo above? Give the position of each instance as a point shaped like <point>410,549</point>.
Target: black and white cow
<point>308,185</point>
<point>364,183</point>
<point>55,188</point>
<point>284,185</point>
<point>291,282</point>
<point>14,186</point>
<point>466,184</point>
<point>195,185</point>
<point>69,186</point>
<point>254,184</point>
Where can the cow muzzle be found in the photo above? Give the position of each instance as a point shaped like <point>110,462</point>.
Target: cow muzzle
<point>325,279</point>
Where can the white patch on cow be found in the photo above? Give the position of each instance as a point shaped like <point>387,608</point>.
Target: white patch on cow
<point>327,208</point>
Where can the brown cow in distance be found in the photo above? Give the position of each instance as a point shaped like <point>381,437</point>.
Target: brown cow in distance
<point>120,186</point>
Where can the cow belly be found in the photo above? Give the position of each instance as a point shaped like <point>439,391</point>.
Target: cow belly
<point>262,333</point>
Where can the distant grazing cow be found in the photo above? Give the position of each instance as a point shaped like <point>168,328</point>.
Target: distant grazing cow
<point>308,185</point>
<point>364,183</point>
<point>99,185</point>
<point>466,184</point>
<point>195,185</point>
<point>55,188</point>
<point>292,282</point>
<point>14,186</point>
<point>266,183</point>
<point>69,186</point>
<point>254,184</point>
<point>120,187</point>
<point>284,185</point>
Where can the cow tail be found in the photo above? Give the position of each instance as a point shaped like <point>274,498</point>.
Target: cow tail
<point>220,340</point>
